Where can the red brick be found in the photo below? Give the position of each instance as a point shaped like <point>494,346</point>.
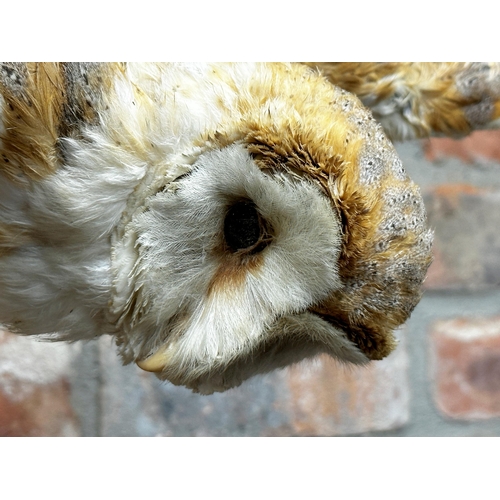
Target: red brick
<point>478,146</point>
<point>331,399</point>
<point>34,388</point>
<point>465,364</point>
<point>43,410</point>
<point>465,220</point>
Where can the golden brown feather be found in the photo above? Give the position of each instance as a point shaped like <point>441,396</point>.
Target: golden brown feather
<point>420,99</point>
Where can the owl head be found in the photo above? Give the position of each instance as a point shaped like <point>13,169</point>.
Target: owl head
<point>282,226</point>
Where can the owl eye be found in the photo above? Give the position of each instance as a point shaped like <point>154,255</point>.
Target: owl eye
<point>244,228</point>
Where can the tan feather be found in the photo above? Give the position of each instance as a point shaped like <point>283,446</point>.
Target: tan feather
<point>32,113</point>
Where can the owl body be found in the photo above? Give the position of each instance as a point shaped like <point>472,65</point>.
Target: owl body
<point>220,220</point>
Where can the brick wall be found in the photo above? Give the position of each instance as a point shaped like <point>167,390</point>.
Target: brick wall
<point>443,380</point>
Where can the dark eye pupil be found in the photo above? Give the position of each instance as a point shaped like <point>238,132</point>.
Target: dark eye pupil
<point>242,227</point>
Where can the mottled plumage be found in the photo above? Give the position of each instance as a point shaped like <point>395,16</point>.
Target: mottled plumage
<point>413,100</point>
<point>220,220</point>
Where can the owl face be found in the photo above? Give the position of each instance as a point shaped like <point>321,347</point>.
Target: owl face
<point>294,231</point>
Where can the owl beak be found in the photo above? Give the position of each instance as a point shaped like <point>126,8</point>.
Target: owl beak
<point>156,362</point>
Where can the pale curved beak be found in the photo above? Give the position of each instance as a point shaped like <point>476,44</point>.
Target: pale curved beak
<point>156,362</point>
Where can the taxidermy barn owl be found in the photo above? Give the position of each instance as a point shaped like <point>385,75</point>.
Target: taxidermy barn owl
<point>219,220</point>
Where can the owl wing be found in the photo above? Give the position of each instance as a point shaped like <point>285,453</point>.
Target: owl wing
<point>415,100</point>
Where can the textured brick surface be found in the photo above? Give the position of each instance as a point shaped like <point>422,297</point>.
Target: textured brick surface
<point>331,399</point>
<point>465,364</point>
<point>480,146</point>
<point>467,239</point>
<point>136,403</point>
<point>314,398</point>
<point>35,397</point>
